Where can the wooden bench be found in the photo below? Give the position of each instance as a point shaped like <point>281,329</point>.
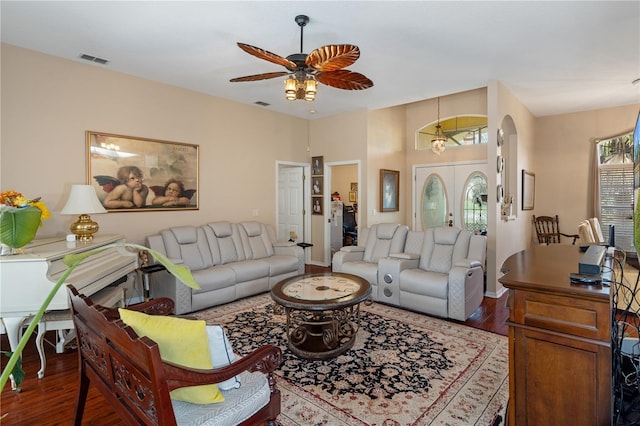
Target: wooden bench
<point>130,374</point>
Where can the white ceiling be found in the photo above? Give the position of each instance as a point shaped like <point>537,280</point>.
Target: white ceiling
<point>556,57</point>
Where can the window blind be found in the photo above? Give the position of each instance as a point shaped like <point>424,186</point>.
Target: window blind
<point>616,203</point>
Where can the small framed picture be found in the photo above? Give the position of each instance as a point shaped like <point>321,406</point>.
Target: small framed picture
<point>353,196</point>
<point>317,166</point>
<point>316,185</point>
<point>316,205</point>
<point>389,187</point>
<point>354,186</point>
<point>528,189</point>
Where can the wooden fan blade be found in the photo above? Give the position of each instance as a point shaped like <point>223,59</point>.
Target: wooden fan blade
<point>267,56</point>
<point>333,57</point>
<point>344,79</point>
<point>256,77</point>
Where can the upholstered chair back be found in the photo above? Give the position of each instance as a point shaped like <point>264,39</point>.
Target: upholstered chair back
<point>224,242</point>
<point>256,241</point>
<point>383,239</point>
<point>442,247</point>
<point>188,243</point>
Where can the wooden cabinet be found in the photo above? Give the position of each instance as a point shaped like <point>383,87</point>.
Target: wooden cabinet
<point>559,341</point>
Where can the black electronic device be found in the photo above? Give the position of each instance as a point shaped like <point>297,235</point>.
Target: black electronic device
<point>591,261</point>
<point>585,279</point>
<point>612,235</point>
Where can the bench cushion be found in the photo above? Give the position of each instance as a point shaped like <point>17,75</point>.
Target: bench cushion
<point>239,404</point>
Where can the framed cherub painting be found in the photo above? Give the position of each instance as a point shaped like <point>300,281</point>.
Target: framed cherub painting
<point>141,174</point>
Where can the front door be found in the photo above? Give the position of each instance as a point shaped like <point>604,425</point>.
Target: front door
<point>455,193</point>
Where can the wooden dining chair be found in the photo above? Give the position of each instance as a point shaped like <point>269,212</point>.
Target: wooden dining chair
<point>548,230</point>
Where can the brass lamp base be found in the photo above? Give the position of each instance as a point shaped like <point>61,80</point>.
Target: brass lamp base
<point>84,228</point>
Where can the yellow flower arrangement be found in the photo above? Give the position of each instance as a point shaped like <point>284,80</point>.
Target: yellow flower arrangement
<point>20,218</point>
<point>13,198</point>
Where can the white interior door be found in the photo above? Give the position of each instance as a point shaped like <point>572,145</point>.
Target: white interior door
<point>439,193</point>
<point>291,203</point>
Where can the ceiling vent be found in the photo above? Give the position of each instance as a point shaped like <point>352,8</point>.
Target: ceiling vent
<point>261,103</point>
<point>95,59</point>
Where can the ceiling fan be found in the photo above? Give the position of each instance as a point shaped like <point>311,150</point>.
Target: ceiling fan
<point>324,65</point>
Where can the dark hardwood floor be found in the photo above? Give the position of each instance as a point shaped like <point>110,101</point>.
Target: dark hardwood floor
<point>51,400</point>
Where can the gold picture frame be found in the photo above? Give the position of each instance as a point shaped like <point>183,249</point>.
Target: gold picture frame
<point>141,174</point>
<point>389,190</point>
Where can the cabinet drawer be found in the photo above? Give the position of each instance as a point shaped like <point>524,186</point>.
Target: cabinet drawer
<point>575,316</point>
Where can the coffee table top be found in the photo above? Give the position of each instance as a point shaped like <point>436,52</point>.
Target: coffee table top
<point>321,290</point>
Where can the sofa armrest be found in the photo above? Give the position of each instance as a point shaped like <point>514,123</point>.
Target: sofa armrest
<point>394,266</point>
<point>466,290</point>
<point>405,256</point>
<point>164,284</point>
<point>352,249</point>
<point>344,256</point>
<point>290,249</point>
<point>468,263</point>
<point>284,244</point>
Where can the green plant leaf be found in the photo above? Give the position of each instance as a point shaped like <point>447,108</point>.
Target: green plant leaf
<point>17,372</point>
<point>18,226</point>
<point>181,272</point>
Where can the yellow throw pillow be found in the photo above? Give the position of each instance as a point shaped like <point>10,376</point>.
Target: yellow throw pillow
<point>181,341</point>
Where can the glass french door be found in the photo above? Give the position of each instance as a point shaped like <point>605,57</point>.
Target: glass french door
<point>454,194</point>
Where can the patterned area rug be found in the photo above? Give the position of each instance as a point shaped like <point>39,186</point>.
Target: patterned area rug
<point>404,369</point>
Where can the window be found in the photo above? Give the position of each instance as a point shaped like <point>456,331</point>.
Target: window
<point>434,203</point>
<point>459,131</point>
<point>615,177</point>
<point>474,204</point>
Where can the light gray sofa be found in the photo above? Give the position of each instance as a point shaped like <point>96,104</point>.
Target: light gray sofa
<point>438,271</point>
<point>374,243</point>
<point>228,260</point>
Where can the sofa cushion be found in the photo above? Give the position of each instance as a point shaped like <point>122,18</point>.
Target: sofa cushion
<point>250,270</point>
<point>221,229</point>
<point>253,229</point>
<point>366,270</point>
<point>384,238</point>
<point>279,265</point>
<point>224,242</point>
<point>255,240</point>
<point>188,244</point>
<point>221,354</point>
<point>239,404</point>
<point>185,234</point>
<point>214,278</point>
<point>181,341</point>
<point>425,283</point>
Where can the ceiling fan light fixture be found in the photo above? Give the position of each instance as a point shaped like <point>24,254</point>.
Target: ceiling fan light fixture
<point>310,89</point>
<point>290,88</point>
<point>326,62</point>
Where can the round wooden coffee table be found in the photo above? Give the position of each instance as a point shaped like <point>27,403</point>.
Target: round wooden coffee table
<point>323,312</point>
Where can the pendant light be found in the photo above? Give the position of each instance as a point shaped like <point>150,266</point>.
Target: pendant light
<point>439,141</point>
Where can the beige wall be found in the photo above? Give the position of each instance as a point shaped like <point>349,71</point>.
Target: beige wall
<point>48,103</point>
<point>506,237</point>
<point>385,150</point>
<point>564,145</point>
<point>340,138</point>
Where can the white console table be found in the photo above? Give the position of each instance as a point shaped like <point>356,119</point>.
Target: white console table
<point>26,279</point>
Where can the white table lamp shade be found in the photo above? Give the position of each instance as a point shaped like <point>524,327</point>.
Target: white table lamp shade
<point>83,200</point>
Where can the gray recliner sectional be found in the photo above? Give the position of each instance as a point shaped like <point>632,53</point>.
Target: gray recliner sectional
<point>439,271</point>
<point>228,260</point>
